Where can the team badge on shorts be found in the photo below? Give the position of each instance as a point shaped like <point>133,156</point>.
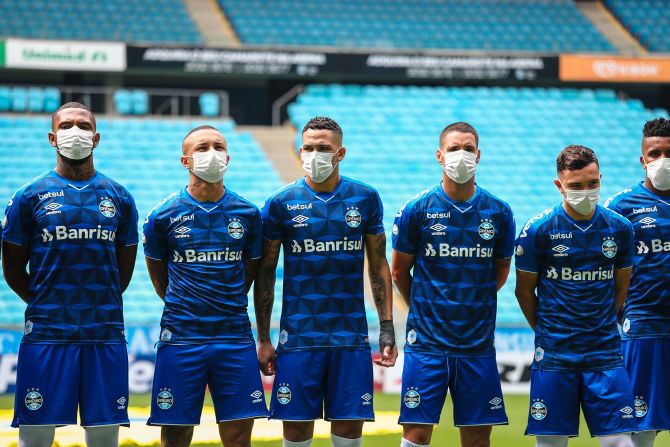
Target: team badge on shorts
<point>538,410</point>
<point>411,336</point>
<point>353,218</point>
<point>641,407</point>
<point>34,399</point>
<point>283,394</point>
<point>107,208</point>
<point>165,399</point>
<point>486,230</point>
<point>412,398</point>
<point>283,337</point>
<point>609,248</point>
<point>235,229</point>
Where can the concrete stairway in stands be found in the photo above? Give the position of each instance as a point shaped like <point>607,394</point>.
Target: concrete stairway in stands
<point>610,27</point>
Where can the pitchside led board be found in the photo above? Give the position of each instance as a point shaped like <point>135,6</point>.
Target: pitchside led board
<point>514,353</point>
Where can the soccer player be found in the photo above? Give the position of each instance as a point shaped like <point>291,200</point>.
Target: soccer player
<point>646,314</point>
<point>578,256</point>
<point>202,248</point>
<point>325,223</point>
<point>459,239</point>
<point>76,230</point>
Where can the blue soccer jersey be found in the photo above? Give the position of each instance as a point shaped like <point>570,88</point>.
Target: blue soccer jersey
<point>323,237</point>
<point>575,261</point>
<point>205,246</point>
<point>646,313</point>
<point>453,298</point>
<point>72,229</point>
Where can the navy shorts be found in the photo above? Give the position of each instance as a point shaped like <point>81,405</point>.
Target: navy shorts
<point>648,362</point>
<point>604,396</point>
<point>183,372</point>
<point>474,384</point>
<point>52,381</point>
<point>337,382</point>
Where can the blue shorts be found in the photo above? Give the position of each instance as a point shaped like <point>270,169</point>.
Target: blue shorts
<point>338,379</point>
<point>648,362</point>
<point>52,380</point>
<point>605,397</point>
<point>184,371</point>
<point>473,381</point>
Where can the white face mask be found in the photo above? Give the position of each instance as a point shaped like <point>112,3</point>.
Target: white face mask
<point>583,201</point>
<point>318,165</point>
<point>74,143</point>
<point>658,172</point>
<point>459,165</point>
<point>210,166</point>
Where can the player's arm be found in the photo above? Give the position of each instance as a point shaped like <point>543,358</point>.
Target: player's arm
<point>621,285</point>
<point>402,273</point>
<point>125,259</point>
<point>158,272</point>
<point>250,270</point>
<point>382,293</point>
<point>501,268</point>
<point>14,262</point>
<point>526,283</point>
<point>264,296</point>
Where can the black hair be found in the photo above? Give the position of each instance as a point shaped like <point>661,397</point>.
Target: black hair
<point>323,123</point>
<point>71,105</point>
<point>459,127</point>
<point>659,127</point>
<point>203,127</point>
<point>575,157</point>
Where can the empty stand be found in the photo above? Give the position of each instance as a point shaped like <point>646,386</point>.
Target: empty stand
<point>143,155</point>
<point>155,21</point>
<point>526,25</point>
<point>391,134</point>
<point>647,20</point>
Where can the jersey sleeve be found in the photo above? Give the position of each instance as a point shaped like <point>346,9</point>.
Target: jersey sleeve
<point>154,238</point>
<point>19,223</point>
<point>375,224</point>
<point>127,230</point>
<point>406,230</point>
<point>254,245</point>
<point>504,244</point>
<point>272,222</point>
<point>624,257</point>
<point>528,254</point>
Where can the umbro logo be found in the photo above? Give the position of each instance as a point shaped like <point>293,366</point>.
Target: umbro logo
<point>560,250</point>
<point>122,403</point>
<point>496,403</point>
<point>438,227</point>
<point>182,230</point>
<point>53,206</point>
<point>300,220</point>
<point>367,399</point>
<point>627,412</point>
<point>647,220</point>
<point>256,397</point>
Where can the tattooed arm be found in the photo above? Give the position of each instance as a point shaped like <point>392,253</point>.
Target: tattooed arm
<point>382,293</point>
<point>264,295</point>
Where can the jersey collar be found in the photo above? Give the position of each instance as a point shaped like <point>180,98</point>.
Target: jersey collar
<point>460,206</point>
<point>79,185</point>
<point>582,225</point>
<point>645,191</point>
<point>205,206</point>
<point>323,196</point>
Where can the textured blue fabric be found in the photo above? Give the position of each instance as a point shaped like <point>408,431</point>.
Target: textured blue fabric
<point>575,262</point>
<point>72,229</point>
<point>323,237</point>
<point>453,298</point>
<point>205,246</point>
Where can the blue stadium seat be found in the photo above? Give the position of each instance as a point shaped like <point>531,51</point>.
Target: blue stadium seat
<point>519,131</point>
<point>123,102</point>
<point>210,104</point>
<point>35,99</point>
<point>51,99</point>
<point>555,25</point>
<point>647,20</point>
<point>140,102</point>
<point>5,99</point>
<point>19,98</point>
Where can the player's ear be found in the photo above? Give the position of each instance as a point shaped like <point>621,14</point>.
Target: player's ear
<point>438,155</point>
<point>558,184</point>
<point>185,161</point>
<point>479,153</point>
<point>642,162</point>
<point>96,139</point>
<point>342,152</point>
<point>52,139</point>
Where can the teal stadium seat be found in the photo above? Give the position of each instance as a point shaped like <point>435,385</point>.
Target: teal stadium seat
<point>123,102</point>
<point>647,20</point>
<point>496,25</point>
<point>51,99</point>
<point>19,99</point>
<point>391,134</point>
<point>137,21</point>
<point>210,104</point>
<point>151,145</point>
<point>35,99</point>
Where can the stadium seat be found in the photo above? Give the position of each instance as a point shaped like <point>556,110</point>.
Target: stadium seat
<point>391,134</point>
<point>140,102</point>
<point>647,20</point>
<point>51,99</point>
<point>19,97</point>
<point>35,99</point>
<point>153,146</point>
<point>5,99</point>
<point>210,104</point>
<point>494,25</point>
<point>156,21</point>
<point>123,102</point>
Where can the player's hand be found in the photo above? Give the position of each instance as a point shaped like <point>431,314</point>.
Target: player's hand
<point>387,346</point>
<point>389,356</point>
<point>266,358</point>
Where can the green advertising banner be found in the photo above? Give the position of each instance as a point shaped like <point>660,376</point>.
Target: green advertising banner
<point>2,53</point>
